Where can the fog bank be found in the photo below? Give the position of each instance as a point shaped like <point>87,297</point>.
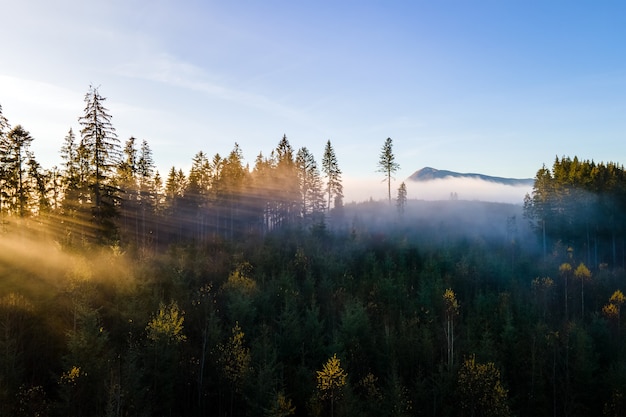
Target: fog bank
<point>471,189</point>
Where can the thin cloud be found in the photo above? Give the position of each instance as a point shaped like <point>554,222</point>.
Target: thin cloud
<point>38,94</point>
<point>167,69</point>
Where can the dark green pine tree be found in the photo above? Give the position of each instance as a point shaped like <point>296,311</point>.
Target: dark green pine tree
<point>331,171</point>
<point>229,187</point>
<point>401,199</point>
<point>127,168</point>
<point>310,184</point>
<point>175,186</point>
<point>74,191</point>
<point>148,192</point>
<point>288,195</point>
<point>70,168</point>
<point>102,148</point>
<point>41,185</point>
<point>145,167</point>
<point>14,155</point>
<point>387,164</point>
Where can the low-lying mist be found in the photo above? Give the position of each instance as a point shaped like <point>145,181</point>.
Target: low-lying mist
<point>364,189</point>
<point>441,222</point>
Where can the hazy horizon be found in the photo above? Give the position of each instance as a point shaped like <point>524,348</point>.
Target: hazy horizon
<point>364,189</point>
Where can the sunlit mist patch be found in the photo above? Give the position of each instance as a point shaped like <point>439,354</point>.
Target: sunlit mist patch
<point>38,267</point>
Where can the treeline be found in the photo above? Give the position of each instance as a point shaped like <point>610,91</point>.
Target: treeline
<point>581,204</point>
<point>105,192</point>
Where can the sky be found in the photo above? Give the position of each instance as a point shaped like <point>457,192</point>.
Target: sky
<point>492,87</point>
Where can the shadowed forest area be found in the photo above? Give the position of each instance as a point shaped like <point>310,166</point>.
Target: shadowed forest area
<point>244,291</point>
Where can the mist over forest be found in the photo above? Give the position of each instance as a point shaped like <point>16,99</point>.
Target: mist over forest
<point>232,290</point>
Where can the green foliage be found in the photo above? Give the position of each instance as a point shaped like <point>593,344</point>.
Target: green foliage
<point>580,202</point>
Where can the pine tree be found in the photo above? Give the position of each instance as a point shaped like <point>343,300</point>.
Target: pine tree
<point>401,200</point>
<point>73,179</point>
<point>40,186</point>
<point>14,156</point>
<point>199,181</point>
<point>4,130</point>
<point>265,186</point>
<point>102,148</point>
<point>4,124</point>
<point>127,167</point>
<point>312,198</point>
<point>71,168</point>
<point>145,166</point>
<point>229,185</point>
<point>331,170</point>
<point>387,164</point>
<point>286,175</point>
<point>147,188</point>
<point>127,182</point>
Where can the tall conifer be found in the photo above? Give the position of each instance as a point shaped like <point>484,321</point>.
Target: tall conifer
<point>331,170</point>
<point>102,148</point>
<point>387,164</point>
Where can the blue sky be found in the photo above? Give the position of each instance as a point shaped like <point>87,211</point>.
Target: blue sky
<point>496,87</point>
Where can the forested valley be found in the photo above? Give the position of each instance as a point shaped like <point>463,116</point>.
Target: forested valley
<point>231,290</point>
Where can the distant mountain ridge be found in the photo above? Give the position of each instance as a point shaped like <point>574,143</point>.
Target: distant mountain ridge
<point>429,174</point>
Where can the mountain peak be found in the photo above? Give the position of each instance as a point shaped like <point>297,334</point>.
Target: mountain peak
<point>430,174</point>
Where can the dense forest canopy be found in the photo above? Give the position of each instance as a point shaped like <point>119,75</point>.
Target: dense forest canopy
<point>582,204</point>
<point>235,290</point>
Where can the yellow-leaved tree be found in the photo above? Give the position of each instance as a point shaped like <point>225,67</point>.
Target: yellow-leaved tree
<point>612,309</point>
<point>167,324</point>
<point>451,310</point>
<point>583,274</point>
<point>330,380</point>
<point>236,362</point>
<point>480,389</point>
<point>165,333</point>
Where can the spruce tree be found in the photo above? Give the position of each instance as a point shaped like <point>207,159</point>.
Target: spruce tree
<point>102,149</point>
<point>401,200</point>
<point>387,164</point>
<point>288,193</point>
<point>145,166</point>
<point>310,183</point>
<point>4,125</point>
<point>331,170</point>
<point>14,156</point>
